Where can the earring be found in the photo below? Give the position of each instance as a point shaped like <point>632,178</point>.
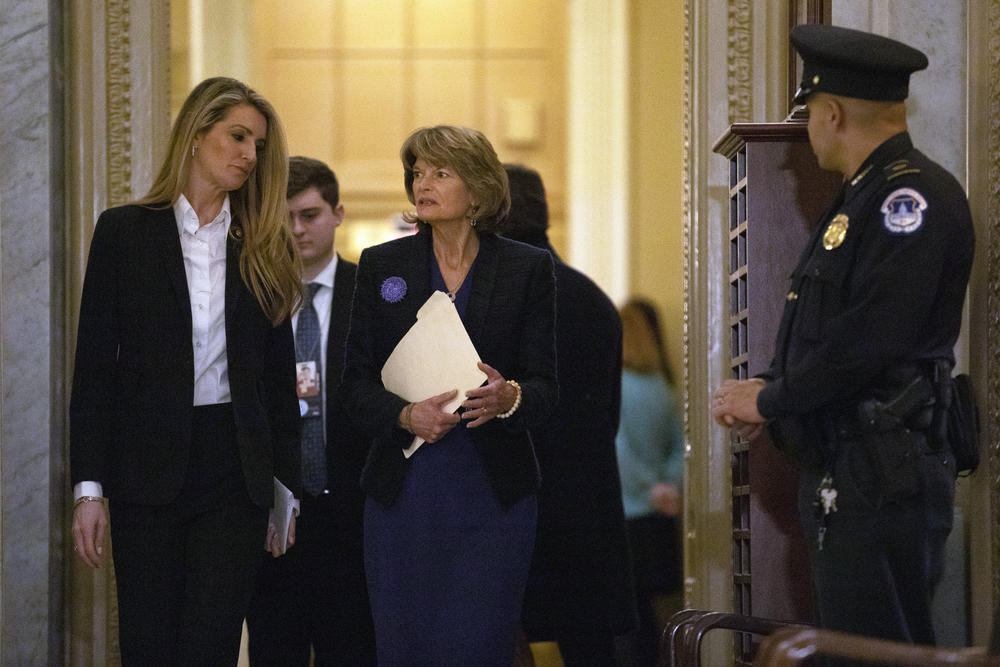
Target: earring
<point>192,150</point>
<point>473,222</point>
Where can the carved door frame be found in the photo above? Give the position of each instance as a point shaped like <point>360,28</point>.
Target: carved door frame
<point>117,69</point>
<point>723,62</point>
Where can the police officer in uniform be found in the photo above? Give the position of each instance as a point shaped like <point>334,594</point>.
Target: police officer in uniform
<point>858,385</point>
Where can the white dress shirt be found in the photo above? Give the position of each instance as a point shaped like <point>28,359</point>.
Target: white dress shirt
<point>204,250</point>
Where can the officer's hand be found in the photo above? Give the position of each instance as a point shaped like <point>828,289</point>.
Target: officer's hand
<point>748,431</point>
<point>736,401</point>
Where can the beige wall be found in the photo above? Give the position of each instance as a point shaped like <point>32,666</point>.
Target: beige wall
<point>656,243</point>
<point>351,78</point>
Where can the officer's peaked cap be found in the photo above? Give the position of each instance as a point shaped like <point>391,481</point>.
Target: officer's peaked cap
<point>853,63</point>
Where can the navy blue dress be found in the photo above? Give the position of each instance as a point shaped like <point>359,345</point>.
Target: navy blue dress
<point>446,563</point>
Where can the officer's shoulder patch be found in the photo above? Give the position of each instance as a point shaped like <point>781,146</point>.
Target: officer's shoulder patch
<point>903,211</point>
<point>898,168</point>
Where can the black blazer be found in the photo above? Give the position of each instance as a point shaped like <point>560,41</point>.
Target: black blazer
<point>133,385</point>
<point>510,319</point>
<point>346,446</point>
<point>580,574</point>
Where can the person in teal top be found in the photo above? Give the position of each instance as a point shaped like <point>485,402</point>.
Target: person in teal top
<point>650,451</point>
<point>650,445</point>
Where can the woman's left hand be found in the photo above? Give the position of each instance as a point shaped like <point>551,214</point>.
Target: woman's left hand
<point>491,399</point>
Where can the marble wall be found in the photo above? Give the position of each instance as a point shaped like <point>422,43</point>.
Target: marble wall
<point>936,108</point>
<point>32,490</point>
<point>936,113</point>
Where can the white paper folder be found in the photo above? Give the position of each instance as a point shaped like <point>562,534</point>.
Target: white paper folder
<point>436,355</point>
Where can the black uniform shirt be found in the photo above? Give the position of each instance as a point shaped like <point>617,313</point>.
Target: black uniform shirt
<point>882,281</point>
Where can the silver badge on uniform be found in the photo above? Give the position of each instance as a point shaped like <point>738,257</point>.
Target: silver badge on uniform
<point>903,211</point>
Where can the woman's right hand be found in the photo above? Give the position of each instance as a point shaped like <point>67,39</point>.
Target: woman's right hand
<point>666,498</point>
<point>428,419</point>
<point>90,525</point>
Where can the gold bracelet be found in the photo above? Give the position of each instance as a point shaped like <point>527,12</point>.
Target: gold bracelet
<point>407,417</point>
<point>86,499</point>
<point>517,401</point>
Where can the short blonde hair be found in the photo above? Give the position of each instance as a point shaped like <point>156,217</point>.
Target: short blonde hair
<point>471,155</point>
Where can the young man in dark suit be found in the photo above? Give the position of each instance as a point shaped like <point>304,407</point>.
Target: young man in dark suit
<point>315,595</point>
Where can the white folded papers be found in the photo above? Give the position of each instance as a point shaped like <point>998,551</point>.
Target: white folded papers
<point>436,355</point>
<point>285,505</point>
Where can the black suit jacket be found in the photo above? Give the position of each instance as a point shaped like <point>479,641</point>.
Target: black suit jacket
<point>133,385</point>
<point>580,574</point>
<point>510,319</point>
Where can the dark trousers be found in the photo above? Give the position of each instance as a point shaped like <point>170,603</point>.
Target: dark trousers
<point>880,562</point>
<point>655,541</point>
<point>580,648</point>
<point>185,570</point>
<point>315,594</point>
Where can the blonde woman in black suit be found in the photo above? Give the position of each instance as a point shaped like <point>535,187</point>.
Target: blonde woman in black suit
<point>449,531</point>
<point>183,405</point>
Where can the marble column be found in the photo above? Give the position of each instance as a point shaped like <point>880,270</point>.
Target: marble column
<point>32,445</point>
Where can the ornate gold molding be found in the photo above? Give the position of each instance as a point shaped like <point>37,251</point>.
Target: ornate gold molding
<point>119,101</point>
<point>686,212</point>
<point>118,72</point>
<point>739,60</point>
<point>687,216</point>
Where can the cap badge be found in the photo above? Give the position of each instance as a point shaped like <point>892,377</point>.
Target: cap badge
<point>835,232</point>
<point>903,211</point>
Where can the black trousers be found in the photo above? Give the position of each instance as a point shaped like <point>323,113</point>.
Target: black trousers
<point>880,562</point>
<point>655,540</point>
<point>185,570</point>
<point>314,595</point>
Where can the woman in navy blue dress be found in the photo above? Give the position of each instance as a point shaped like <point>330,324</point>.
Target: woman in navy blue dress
<point>449,531</point>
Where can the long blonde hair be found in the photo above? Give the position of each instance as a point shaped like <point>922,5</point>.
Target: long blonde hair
<point>269,264</point>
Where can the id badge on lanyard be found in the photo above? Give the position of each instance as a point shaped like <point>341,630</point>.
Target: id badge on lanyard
<point>308,386</point>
